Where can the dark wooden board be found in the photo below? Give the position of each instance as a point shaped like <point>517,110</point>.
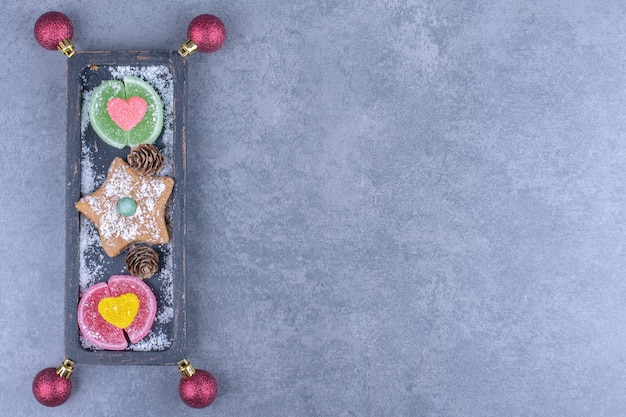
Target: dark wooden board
<point>86,70</point>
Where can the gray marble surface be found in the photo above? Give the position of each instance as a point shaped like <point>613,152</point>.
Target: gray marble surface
<point>398,208</point>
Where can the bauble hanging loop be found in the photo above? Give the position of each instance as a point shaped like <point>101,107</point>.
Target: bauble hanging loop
<point>206,34</point>
<point>52,387</point>
<point>197,388</point>
<point>54,30</point>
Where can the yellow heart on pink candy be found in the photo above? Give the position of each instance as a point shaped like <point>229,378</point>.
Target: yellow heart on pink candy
<point>119,311</point>
<point>106,309</point>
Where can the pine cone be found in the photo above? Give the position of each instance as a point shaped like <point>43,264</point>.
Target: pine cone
<point>142,261</point>
<point>145,159</point>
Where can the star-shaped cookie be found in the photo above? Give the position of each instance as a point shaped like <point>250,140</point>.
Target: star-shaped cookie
<point>143,223</point>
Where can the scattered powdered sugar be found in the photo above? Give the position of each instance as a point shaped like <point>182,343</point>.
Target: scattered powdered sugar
<point>88,176</point>
<point>87,173</point>
<point>86,344</point>
<point>152,342</point>
<point>84,112</point>
<point>166,314</point>
<point>167,276</point>
<point>92,260</point>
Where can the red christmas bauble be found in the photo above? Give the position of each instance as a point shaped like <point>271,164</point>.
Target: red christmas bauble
<point>51,28</point>
<point>198,390</point>
<point>208,32</point>
<point>50,389</point>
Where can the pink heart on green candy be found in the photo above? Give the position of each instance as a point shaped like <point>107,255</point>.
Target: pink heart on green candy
<point>127,113</point>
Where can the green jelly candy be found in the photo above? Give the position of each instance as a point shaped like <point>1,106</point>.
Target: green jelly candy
<point>112,100</point>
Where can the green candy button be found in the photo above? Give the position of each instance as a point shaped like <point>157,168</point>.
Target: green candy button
<point>126,206</point>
